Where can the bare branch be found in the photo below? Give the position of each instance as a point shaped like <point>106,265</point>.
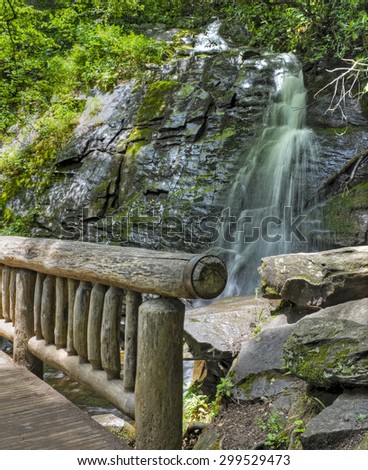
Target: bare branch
<point>344,84</point>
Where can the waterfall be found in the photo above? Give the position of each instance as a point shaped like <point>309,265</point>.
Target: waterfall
<point>265,211</point>
<point>210,41</point>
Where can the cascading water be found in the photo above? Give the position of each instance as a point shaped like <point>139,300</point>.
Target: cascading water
<point>266,205</point>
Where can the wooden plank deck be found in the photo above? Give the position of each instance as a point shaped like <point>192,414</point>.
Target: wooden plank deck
<point>35,416</point>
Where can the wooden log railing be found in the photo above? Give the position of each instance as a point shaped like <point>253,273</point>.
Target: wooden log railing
<point>61,304</point>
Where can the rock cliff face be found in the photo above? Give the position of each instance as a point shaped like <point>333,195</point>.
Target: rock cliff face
<point>151,162</point>
<point>341,131</point>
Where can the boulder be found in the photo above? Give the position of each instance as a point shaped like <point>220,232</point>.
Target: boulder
<point>317,280</point>
<point>210,439</point>
<point>269,384</point>
<point>355,310</point>
<point>216,331</point>
<point>328,350</point>
<point>345,419</point>
<point>117,426</point>
<point>262,353</point>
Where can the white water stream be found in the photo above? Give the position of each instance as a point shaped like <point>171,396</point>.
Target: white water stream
<point>271,188</point>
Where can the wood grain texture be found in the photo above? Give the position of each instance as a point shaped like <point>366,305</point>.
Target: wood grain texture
<point>159,383</point>
<point>61,313</point>
<point>94,325</point>
<point>48,309</point>
<point>23,329</point>
<point>80,320</point>
<point>169,274</point>
<point>110,333</point>
<point>37,305</point>
<point>72,289</point>
<point>39,418</point>
<point>133,301</point>
<point>12,294</point>
<point>5,293</point>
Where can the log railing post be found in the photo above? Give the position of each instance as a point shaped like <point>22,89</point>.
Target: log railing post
<point>48,309</point>
<point>12,294</point>
<point>94,325</point>
<point>80,320</point>
<point>133,301</point>
<point>61,312</point>
<point>72,289</point>
<point>110,332</point>
<point>5,293</point>
<point>1,296</point>
<point>37,305</point>
<point>23,324</point>
<point>159,383</point>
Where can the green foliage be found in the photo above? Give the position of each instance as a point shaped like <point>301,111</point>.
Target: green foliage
<point>314,29</point>
<point>277,438</point>
<point>196,405</point>
<point>65,50</point>
<point>224,388</point>
<point>52,53</point>
<point>199,407</point>
<point>278,434</point>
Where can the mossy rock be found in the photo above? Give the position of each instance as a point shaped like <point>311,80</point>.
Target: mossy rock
<point>266,384</point>
<point>328,351</point>
<point>210,439</point>
<point>340,212</point>
<point>156,100</point>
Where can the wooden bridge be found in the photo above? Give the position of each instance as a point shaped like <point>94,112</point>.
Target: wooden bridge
<point>62,304</point>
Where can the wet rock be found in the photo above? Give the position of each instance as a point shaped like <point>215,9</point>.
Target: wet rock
<point>346,215</point>
<point>317,280</point>
<point>344,419</point>
<point>234,33</point>
<point>169,145</point>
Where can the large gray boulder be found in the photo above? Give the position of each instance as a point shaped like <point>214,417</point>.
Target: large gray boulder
<point>331,347</point>
<point>317,280</point>
<point>355,310</point>
<point>262,353</point>
<point>345,419</point>
<point>215,332</point>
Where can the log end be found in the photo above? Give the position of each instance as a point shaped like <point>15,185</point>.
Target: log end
<point>205,276</point>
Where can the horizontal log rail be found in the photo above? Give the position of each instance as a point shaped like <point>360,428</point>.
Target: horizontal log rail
<point>179,275</point>
<point>62,303</point>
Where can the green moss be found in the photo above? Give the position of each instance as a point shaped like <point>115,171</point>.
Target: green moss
<point>140,133</point>
<point>186,90</point>
<point>338,212</point>
<point>317,366</point>
<point>155,101</point>
<point>270,292</point>
<point>247,385</point>
<point>133,149</point>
